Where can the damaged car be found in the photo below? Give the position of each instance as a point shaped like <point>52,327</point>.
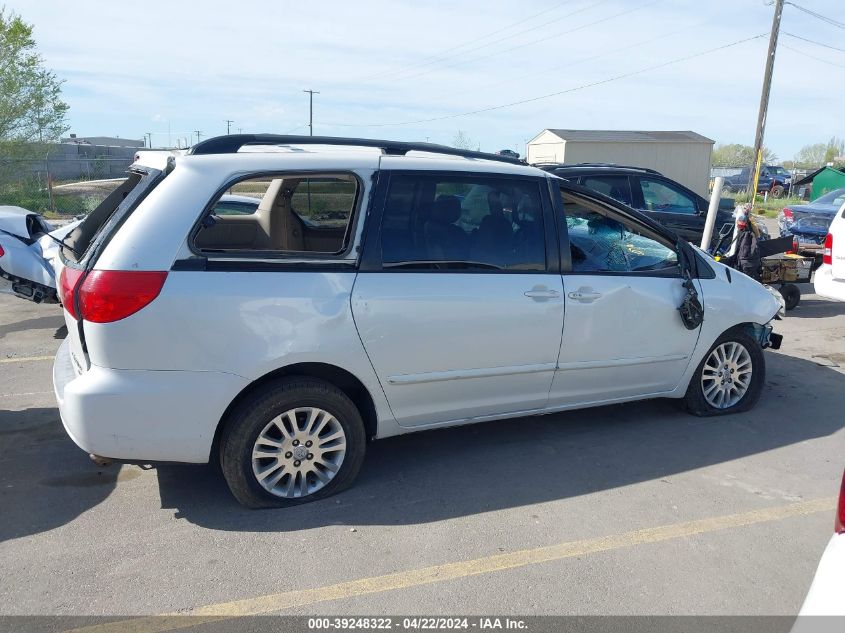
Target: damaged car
<point>377,288</point>
<point>29,248</point>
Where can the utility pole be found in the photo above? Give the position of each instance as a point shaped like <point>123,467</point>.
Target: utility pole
<point>764,98</point>
<point>198,132</point>
<point>228,125</point>
<point>311,94</point>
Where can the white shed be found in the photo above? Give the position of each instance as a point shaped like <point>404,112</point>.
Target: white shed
<point>683,156</point>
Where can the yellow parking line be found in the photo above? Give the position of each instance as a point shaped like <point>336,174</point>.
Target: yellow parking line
<point>451,571</point>
<point>26,359</point>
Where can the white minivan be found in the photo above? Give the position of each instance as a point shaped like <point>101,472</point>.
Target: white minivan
<point>376,288</point>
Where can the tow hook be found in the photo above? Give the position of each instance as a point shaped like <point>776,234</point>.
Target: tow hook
<point>100,460</point>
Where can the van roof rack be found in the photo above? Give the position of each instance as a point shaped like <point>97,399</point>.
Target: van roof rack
<point>231,143</point>
<point>647,170</point>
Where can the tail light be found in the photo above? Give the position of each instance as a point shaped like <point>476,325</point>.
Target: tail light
<point>2,252</point>
<point>795,246</point>
<point>68,283</point>
<point>110,295</point>
<point>788,214</point>
<point>840,511</point>
<point>827,254</point>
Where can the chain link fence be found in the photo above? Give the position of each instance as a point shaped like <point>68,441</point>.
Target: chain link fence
<point>61,186</point>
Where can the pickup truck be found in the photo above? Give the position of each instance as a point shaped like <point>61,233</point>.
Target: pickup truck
<point>773,179</point>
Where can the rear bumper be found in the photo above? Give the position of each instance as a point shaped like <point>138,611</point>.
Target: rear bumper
<point>826,286</point>
<point>142,415</point>
<point>806,240</point>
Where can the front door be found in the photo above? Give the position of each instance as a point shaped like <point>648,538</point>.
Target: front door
<point>623,336</point>
<point>456,305</point>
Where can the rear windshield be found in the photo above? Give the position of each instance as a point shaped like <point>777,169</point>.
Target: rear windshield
<point>99,225</point>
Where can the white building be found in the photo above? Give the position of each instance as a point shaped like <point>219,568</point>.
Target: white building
<point>683,156</point>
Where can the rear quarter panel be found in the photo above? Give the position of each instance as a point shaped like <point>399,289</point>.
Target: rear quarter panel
<point>243,323</point>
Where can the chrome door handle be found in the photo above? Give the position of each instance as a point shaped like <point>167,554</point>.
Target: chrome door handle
<point>585,297</point>
<point>536,293</point>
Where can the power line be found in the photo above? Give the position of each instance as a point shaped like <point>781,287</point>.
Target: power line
<point>818,59</point>
<point>805,39</point>
<point>523,32</point>
<point>478,39</point>
<point>544,39</point>
<point>582,60</point>
<point>560,92</point>
<point>818,16</point>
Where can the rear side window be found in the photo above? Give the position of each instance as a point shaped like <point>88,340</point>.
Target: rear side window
<point>325,202</point>
<point>462,223</point>
<point>281,214</point>
<point>616,187</point>
<point>104,220</point>
<point>235,207</point>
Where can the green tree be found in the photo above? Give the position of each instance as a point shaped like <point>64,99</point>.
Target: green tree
<point>31,107</point>
<point>820,154</point>
<point>835,149</point>
<point>738,155</point>
<point>463,141</point>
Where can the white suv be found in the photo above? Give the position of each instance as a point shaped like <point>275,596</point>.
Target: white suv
<point>376,288</point>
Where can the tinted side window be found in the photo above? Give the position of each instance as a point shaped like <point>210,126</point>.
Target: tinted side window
<point>659,196</point>
<point>617,187</point>
<point>461,223</point>
<point>601,242</point>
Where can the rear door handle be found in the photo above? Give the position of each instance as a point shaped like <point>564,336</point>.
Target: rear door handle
<point>584,296</point>
<point>541,293</point>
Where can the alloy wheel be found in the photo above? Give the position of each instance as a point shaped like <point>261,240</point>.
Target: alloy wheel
<point>726,375</point>
<point>298,452</point>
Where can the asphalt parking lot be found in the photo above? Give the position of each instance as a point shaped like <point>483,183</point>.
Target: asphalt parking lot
<point>543,515</point>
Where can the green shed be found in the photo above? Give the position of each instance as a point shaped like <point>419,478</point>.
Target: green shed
<point>823,181</point>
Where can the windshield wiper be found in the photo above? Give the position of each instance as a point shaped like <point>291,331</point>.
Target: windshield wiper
<point>61,242</point>
<point>458,264</point>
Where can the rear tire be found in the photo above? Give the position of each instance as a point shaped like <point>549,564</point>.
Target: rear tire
<point>778,191</point>
<point>263,452</point>
<point>738,355</point>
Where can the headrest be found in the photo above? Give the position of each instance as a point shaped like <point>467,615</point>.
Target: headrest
<point>446,210</point>
<point>527,209</point>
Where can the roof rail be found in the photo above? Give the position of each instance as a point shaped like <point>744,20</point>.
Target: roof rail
<point>231,143</point>
<point>645,169</point>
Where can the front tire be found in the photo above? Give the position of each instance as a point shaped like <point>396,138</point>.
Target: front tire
<point>292,441</point>
<point>729,378</point>
<point>778,191</point>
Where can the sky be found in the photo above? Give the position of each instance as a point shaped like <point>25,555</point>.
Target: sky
<point>425,70</point>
